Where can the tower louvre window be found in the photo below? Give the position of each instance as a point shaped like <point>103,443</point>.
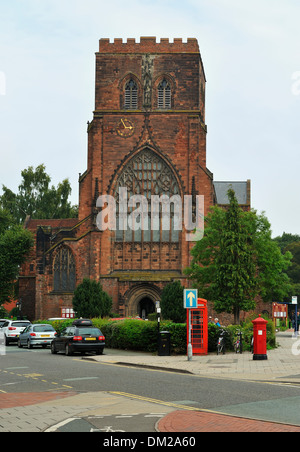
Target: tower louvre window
<point>164,95</point>
<point>131,95</point>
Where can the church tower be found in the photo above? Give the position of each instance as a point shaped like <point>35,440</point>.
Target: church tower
<point>148,136</point>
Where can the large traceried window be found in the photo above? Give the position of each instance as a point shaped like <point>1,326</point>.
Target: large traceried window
<point>64,271</point>
<point>164,95</point>
<point>147,174</point>
<point>131,95</point>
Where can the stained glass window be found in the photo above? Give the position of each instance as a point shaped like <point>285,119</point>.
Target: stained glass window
<point>147,174</point>
<point>64,271</point>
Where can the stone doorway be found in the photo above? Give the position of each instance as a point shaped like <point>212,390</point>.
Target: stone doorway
<point>146,307</point>
<point>140,300</point>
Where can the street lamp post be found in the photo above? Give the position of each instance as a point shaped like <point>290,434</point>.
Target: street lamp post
<point>19,306</point>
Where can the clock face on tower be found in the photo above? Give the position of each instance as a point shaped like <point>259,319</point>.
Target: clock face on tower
<point>125,128</point>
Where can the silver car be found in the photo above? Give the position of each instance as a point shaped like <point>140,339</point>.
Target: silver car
<point>41,335</point>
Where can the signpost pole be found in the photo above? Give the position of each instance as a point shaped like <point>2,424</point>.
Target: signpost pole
<point>190,301</point>
<point>295,302</point>
<point>158,310</point>
<point>190,347</point>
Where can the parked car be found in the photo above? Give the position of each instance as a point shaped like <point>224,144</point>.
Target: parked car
<point>37,335</point>
<point>13,328</point>
<point>81,337</point>
<point>2,321</point>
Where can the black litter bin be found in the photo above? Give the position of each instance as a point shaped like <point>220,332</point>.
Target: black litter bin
<point>164,343</point>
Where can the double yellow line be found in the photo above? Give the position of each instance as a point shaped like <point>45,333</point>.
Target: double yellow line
<point>161,402</point>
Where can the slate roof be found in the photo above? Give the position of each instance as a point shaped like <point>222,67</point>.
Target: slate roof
<point>241,189</point>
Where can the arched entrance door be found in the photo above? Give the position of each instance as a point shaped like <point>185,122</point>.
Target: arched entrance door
<point>146,307</point>
<point>140,300</point>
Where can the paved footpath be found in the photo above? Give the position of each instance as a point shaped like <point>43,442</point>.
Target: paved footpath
<point>47,411</point>
<point>188,422</point>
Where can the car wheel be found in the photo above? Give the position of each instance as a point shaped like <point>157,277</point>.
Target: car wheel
<point>19,344</point>
<point>29,346</point>
<point>68,350</point>
<point>53,349</point>
<point>6,341</point>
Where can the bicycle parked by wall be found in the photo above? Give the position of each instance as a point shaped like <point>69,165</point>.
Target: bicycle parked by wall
<point>252,345</point>
<point>221,347</point>
<point>238,345</point>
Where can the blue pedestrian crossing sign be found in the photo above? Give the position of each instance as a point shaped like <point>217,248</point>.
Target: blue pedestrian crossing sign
<point>190,298</point>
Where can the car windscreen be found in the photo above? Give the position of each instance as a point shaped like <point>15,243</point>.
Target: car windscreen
<point>89,332</point>
<point>43,329</point>
<point>20,324</point>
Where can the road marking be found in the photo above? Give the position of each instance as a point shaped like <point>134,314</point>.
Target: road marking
<point>61,424</point>
<point>154,415</point>
<point>32,375</point>
<point>123,417</point>
<point>83,378</point>
<point>162,402</point>
<point>36,377</point>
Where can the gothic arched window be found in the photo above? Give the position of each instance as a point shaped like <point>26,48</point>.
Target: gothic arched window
<point>148,174</point>
<point>131,95</point>
<point>164,95</point>
<point>64,269</point>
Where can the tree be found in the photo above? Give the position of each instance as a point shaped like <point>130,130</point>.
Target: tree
<point>37,198</point>
<point>293,271</point>
<point>90,300</point>
<point>237,260</point>
<point>172,302</point>
<point>286,239</point>
<point>15,244</point>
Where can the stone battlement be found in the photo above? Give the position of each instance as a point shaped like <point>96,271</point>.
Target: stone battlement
<point>149,45</point>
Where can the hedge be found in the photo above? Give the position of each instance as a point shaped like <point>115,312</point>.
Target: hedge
<point>141,336</point>
<point>132,334</point>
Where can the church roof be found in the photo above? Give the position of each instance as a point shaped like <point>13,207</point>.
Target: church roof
<point>53,223</point>
<point>241,189</point>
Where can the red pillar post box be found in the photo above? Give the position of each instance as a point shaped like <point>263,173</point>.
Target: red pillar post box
<point>260,339</point>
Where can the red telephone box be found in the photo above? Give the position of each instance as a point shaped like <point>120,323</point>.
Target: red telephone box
<point>199,328</point>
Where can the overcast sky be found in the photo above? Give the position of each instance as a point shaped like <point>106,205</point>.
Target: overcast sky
<point>251,55</point>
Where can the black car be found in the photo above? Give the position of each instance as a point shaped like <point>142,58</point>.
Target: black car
<point>81,337</point>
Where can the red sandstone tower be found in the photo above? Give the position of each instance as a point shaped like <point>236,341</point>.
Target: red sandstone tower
<point>148,135</point>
